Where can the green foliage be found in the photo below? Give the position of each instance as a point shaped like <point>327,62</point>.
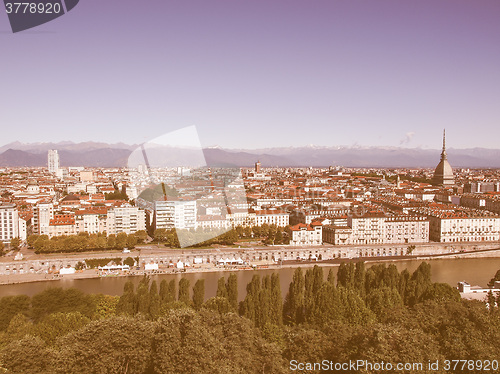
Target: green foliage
<point>141,236</point>
<point>158,192</point>
<point>105,305</point>
<point>167,292</point>
<point>154,301</point>
<point>28,354</point>
<point>54,300</point>
<point>59,324</point>
<point>94,263</point>
<point>293,307</point>
<point>127,303</point>
<point>129,261</point>
<point>115,345</point>
<point>221,288</point>
<point>383,316</point>
<point>81,242</point>
<point>218,304</point>
<point>209,342</point>
<point>116,195</point>
<point>199,293</point>
<point>10,306</point>
<point>345,275</point>
<point>15,243</point>
<point>143,297</point>
<point>184,291</point>
<point>381,299</point>
<point>232,291</point>
<point>31,240</point>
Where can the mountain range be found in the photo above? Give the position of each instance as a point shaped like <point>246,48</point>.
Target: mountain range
<point>94,154</point>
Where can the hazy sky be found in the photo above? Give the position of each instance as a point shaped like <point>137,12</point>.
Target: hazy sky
<point>257,73</point>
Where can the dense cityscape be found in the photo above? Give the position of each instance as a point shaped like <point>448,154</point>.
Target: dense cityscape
<point>163,222</point>
<point>256,215</point>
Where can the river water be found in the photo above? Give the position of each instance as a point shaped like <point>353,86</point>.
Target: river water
<point>476,271</point>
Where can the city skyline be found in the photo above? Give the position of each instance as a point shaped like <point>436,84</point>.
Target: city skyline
<point>258,75</point>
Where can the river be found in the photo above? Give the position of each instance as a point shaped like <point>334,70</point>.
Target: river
<point>476,271</point>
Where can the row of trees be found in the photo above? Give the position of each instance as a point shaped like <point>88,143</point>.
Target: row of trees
<point>364,314</point>
<point>85,242</point>
<point>269,234</point>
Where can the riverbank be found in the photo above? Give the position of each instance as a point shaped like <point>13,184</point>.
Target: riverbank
<point>94,273</point>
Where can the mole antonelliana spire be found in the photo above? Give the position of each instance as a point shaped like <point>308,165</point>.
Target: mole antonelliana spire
<point>443,175</point>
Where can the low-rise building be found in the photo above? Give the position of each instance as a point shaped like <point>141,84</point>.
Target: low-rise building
<point>379,228</point>
<point>302,234</point>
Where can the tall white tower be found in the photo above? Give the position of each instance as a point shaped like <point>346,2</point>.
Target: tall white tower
<point>53,161</point>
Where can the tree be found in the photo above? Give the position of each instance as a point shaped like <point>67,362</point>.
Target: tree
<point>54,300</point>
<point>184,291</point>
<point>26,355</point>
<point>380,299</point>
<point>15,243</point>
<point>127,303</point>
<point>143,296</point>
<point>293,307</point>
<point>171,292</point>
<point>154,301</point>
<point>218,304</point>
<point>199,293</point>
<point>276,301</point>
<point>11,306</point>
<point>232,291</point>
<point>208,342</point>
<point>111,241</point>
<point>31,240</point>
<point>56,325</point>
<point>105,306</point>
<point>141,236</point>
<point>345,275</point>
<point>221,288</point>
<point>2,246</point>
<point>121,240</point>
<point>129,261</point>
<point>250,307</point>
<point>160,235</point>
<point>359,278</point>
<point>131,241</point>
<point>115,345</point>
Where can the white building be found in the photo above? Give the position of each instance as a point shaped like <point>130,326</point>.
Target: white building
<point>179,214</point>
<point>377,228</point>
<point>53,161</point>
<point>447,227</point>
<point>212,222</point>
<point>91,220</point>
<point>42,214</point>
<point>272,217</point>
<point>9,223</point>
<point>303,234</point>
<point>24,226</point>
<point>127,219</point>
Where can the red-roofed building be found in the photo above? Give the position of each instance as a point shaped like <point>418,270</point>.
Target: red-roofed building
<point>303,234</point>
<point>62,224</point>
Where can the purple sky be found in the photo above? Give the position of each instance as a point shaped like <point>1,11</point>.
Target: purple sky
<point>253,74</point>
